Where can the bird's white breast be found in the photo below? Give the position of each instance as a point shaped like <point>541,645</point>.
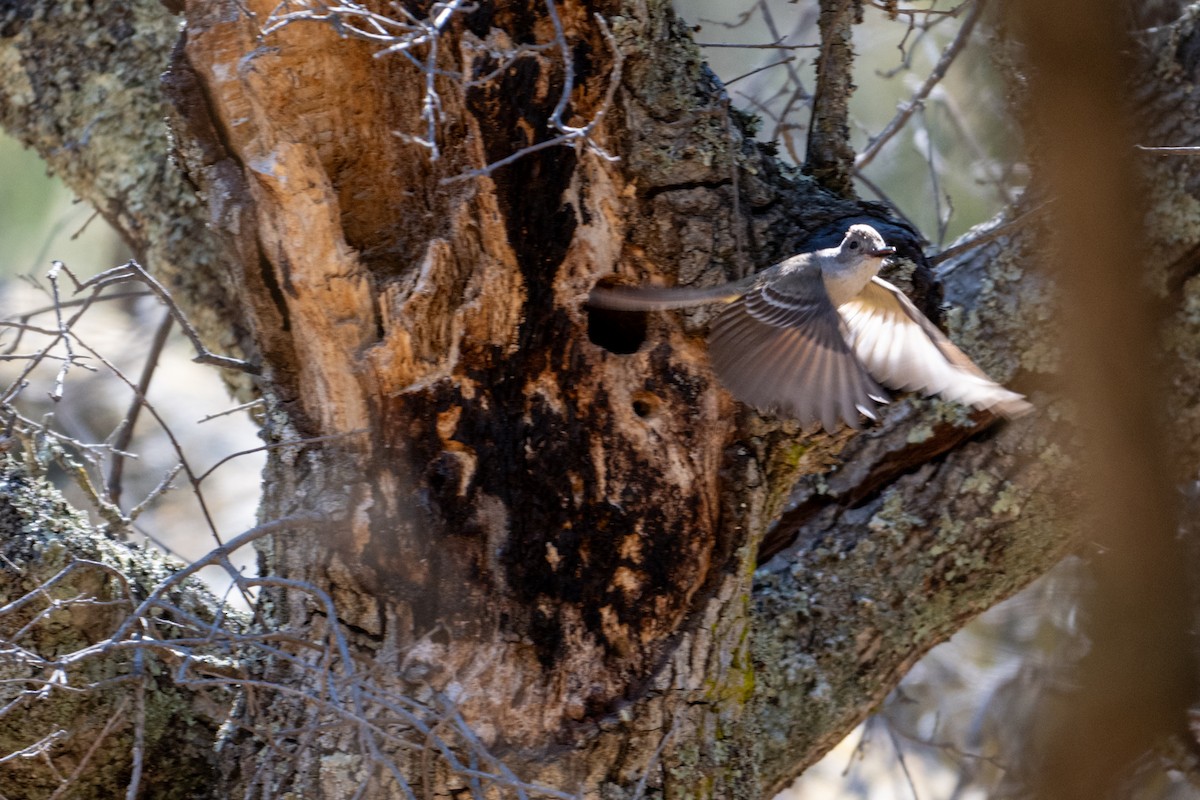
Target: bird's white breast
<point>843,283</point>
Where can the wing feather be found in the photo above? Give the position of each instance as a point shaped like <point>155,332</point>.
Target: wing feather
<point>903,350</point>
<point>781,346</point>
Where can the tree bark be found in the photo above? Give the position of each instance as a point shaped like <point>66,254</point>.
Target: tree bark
<point>93,708</point>
<point>539,527</point>
<point>829,157</point>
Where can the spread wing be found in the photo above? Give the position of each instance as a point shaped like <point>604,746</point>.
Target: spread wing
<point>782,346</point>
<point>903,350</point>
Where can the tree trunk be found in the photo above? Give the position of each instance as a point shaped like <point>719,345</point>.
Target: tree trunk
<point>528,553</point>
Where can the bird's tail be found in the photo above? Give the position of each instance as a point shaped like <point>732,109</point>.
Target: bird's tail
<point>658,298</point>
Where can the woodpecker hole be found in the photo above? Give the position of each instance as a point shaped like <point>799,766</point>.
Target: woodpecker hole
<point>645,405</point>
<point>620,332</point>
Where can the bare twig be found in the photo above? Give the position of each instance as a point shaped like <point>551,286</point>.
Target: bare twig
<point>568,134</point>
<point>410,33</point>
<point>941,215</point>
<point>234,410</point>
<point>131,270</point>
<point>912,785</point>
<point>61,378</point>
<point>124,432</point>
<point>757,70</point>
<point>939,71</point>
<point>777,45</point>
<point>893,10</point>
<point>37,748</point>
<point>879,192</point>
<point>640,789</point>
<point>402,36</point>
<point>798,93</point>
<point>988,236</point>
<point>276,445</point>
<point>155,493</point>
<point>118,716</point>
<point>138,756</point>
<point>1169,151</point>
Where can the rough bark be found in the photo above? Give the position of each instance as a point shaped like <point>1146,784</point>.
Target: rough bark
<point>917,528</point>
<point>829,157</point>
<point>557,539</point>
<point>86,722</point>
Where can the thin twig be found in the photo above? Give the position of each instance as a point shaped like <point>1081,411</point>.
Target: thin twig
<point>1169,151</point>
<point>763,68</point>
<point>892,206</point>
<point>568,134</point>
<point>124,432</point>
<point>40,746</point>
<point>912,784</point>
<point>988,236</point>
<point>160,489</point>
<point>798,93</point>
<point>767,46</point>
<point>240,407</point>
<point>118,716</point>
<point>912,12</point>
<point>139,738</point>
<point>640,789</point>
<point>276,445</point>
<point>131,270</point>
<point>63,330</point>
<point>939,71</point>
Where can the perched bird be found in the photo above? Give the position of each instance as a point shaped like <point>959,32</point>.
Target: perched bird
<point>816,335</point>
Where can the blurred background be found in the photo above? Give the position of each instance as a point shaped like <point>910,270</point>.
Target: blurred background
<point>40,222</point>
<point>956,725</point>
<point>956,162</point>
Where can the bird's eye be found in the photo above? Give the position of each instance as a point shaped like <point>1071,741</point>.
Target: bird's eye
<point>854,245</point>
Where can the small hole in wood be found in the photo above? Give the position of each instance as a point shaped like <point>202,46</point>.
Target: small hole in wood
<point>645,404</point>
<point>620,332</point>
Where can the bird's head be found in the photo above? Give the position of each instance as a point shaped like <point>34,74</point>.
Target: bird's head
<point>863,241</point>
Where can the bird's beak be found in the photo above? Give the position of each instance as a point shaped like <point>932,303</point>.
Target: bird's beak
<point>884,251</point>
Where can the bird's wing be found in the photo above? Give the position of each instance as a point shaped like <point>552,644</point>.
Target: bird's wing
<point>658,298</point>
<point>781,346</point>
<point>903,350</point>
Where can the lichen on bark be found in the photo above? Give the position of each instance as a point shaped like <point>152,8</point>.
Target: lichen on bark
<point>83,714</point>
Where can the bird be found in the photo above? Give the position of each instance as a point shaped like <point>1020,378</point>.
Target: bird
<point>820,335</point>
